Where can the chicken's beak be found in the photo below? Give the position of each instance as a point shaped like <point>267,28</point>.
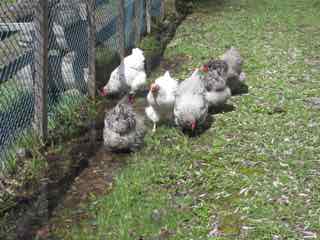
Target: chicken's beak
<point>193,125</point>
<point>103,92</point>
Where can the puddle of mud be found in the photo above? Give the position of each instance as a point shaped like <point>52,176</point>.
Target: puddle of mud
<point>95,180</point>
<point>175,64</point>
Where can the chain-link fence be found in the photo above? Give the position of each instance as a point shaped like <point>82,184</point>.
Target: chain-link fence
<point>45,56</point>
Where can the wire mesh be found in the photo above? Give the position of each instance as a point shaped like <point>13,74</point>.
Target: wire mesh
<point>67,57</point>
<point>16,98</point>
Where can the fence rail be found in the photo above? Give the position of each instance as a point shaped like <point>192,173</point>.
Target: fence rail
<point>48,47</point>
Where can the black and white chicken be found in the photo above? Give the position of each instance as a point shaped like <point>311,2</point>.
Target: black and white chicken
<point>215,83</point>
<point>124,130</point>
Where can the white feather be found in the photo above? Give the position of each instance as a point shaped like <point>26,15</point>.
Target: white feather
<point>152,114</point>
<point>137,82</point>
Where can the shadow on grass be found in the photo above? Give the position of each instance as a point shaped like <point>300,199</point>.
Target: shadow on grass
<point>222,109</point>
<point>201,5</point>
<point>243,89</point>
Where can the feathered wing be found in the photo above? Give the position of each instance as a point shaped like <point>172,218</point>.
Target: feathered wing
<point>136,136</point>
<point>138,82</point>
<point>214,82</point>
<point>116,84</point>
<point>112,140</point>
<point>124,129</point>
<point>216,77</point>
<point>217,98</point>
<point>152,114</point>
<point>120,119</point>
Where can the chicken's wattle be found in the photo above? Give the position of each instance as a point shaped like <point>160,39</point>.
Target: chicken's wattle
<point>103,92</point>
<point>193,125</point>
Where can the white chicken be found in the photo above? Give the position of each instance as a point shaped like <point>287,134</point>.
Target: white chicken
<point>129,77</point>
<point>215,83</point>
<point>161,99</point>
<point>124,130</point>
<point>235,76</point>
<point>191,106</point>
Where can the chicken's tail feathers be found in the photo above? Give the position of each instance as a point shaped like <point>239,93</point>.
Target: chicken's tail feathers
<point>138,52</point>
<point>167,74</point>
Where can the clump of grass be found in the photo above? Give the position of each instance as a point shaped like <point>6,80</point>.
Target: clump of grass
<point>150,44</point>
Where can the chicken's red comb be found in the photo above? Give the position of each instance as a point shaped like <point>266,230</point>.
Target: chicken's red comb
<point>205,68</point>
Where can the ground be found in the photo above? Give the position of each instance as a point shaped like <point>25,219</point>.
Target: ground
<point>254,174</point>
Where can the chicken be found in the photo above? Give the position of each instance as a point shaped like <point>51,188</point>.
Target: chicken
<point>129,77</point>
<point>123,129</point>
<point>191,106</point>
<point>161,98</point>
<point>235,75</point>
<point>215,83</point>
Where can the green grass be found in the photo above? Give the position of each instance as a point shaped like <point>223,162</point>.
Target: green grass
<point>9,1</point>
<point>255,172</point>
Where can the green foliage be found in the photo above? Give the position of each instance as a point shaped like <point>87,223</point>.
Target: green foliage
<point>150,44</point>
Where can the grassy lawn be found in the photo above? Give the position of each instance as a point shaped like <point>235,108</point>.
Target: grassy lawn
<point>255,173</point>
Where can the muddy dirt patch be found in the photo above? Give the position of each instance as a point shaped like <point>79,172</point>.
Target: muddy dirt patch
<point>175,63</point>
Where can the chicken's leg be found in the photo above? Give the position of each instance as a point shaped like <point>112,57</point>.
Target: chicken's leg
<point>154,127</point>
